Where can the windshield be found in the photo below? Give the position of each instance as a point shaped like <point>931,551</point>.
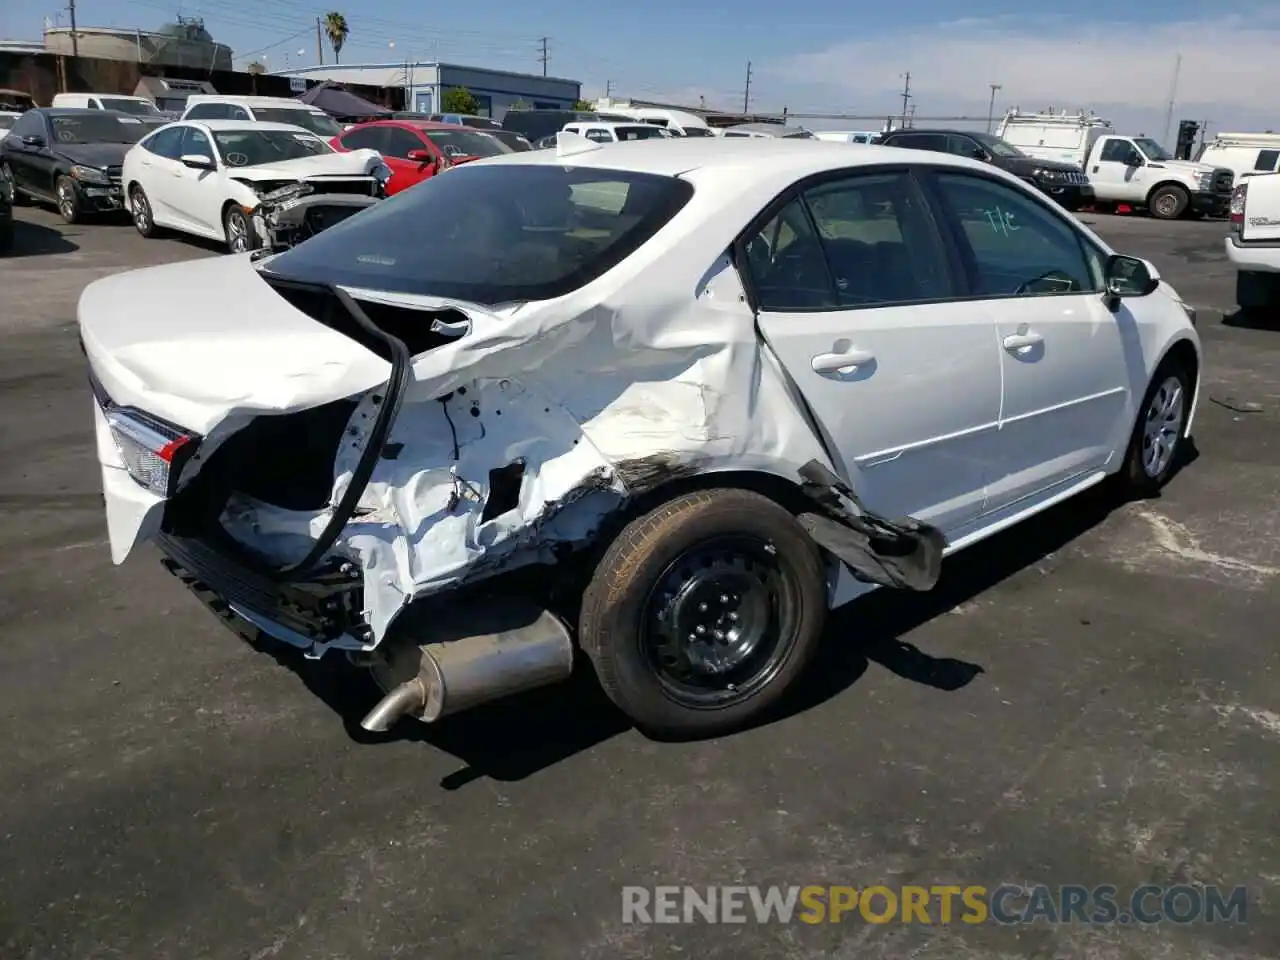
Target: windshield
<point>139,108</point>
<point>251,148</point>
<point>1152,150</point>
<point>6,122</point>
<point>513,140</point>
<point>491,234</point>
<point>641,131</point>
<point>320,123</point>
<point>466,143</point>
<point>698,132</point>
<point>997,146</point>
<point>98,128</point>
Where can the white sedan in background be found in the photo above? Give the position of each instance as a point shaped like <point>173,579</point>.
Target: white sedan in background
<point>222,179</point>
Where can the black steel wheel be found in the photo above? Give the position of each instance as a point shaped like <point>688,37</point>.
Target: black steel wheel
<point>704,611</point>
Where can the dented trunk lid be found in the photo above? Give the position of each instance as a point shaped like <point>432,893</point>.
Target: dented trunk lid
<point>155,343</point>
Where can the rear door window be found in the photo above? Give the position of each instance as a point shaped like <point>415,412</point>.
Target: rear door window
<point>1267,160</point>
<point>365,138</point>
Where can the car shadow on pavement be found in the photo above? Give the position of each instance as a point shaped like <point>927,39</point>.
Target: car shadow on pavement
<point>1253,319</point>
<point>872,628</point>
<point>37,240</point>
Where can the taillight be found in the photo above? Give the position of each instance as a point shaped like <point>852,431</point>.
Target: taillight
<point>153,452</point>
<point>1237,202</point>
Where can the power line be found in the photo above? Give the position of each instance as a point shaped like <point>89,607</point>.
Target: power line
<point>746,93</point>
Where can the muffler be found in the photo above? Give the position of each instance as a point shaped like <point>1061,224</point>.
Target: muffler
<point>475,655</point>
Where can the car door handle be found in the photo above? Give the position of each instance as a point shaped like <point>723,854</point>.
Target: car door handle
<point>1020,341</point>
<point>841,362</point>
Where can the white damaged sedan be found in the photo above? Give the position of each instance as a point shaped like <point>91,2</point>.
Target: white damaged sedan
<point>665,403</point>
<point>247,184</point>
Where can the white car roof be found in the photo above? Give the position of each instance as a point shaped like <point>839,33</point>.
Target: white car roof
<point>222,126</point>
<point>751,160</point>
<point>285,102</point>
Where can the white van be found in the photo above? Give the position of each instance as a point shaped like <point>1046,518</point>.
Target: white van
<point>847,136</point>
<point>208,106</point>
<point>1244,154</point>
<point>679,122</point>
<point>138,106</point>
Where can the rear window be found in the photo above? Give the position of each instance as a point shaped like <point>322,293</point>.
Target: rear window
<point>138,108</point>
<point>641,131</point>
<point>491,234</point>
<point>318,123</point>
<point>466,143</point>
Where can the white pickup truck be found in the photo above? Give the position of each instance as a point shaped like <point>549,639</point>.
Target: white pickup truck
<point>1253,244</point>
<point>1121,169</point>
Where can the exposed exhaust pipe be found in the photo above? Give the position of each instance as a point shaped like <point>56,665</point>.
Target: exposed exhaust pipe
<point>475,655</point>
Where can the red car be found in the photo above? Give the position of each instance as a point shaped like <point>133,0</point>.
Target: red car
<point>418,149</point>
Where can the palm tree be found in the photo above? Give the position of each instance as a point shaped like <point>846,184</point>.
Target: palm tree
<point>335,25</point>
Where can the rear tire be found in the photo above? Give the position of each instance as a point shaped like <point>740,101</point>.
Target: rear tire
<point>1168,202</point>
<point>1156,446</point>
<point>704,612</point>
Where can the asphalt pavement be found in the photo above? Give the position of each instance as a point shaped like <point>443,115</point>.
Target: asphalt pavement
<point>1089,699</point>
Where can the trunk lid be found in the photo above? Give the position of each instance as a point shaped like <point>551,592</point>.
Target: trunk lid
<point>196,361</point>
<point>1261,218</point>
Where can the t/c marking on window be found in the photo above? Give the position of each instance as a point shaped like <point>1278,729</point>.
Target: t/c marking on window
<point>1002,221</point>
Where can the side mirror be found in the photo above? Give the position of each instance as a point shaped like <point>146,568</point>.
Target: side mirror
<point>33,140</point>
<point>1136,160</point>
<point>198,161</point>
<point>423,157</point>
<point>1130,277</point>
<point>980,154</point>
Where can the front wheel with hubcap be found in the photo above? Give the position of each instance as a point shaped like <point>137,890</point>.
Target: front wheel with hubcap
<point>239,231</point>
<point>1169,202</point>
<point>68,200</point>
<point>1156,446</point>
<point>140,207</point>
<point>703,612</point>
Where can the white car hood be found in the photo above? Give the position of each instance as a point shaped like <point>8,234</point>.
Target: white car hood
<point>1192,166</point>
<point>355,163</point>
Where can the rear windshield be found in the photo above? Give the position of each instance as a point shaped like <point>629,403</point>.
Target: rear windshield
<point>697,132</point>
<point>513,140</point>
<point>491,233</point>
<point>320,123</point>
<point>466,143</point>
<point>641,131</point>
<point>139,108</point>
<point>481,123</point>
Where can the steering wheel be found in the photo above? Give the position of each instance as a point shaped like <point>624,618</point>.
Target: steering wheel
<point>1055,274</point>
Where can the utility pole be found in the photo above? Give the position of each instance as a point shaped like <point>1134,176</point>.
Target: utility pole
<point>545,56</point>
<point>746,93</point>
<point>1173,96</point>
<point>608,89</point>
<point>991,108</point>
<point>319,43</point>
<point>906,96</point>
<point>75,43</point>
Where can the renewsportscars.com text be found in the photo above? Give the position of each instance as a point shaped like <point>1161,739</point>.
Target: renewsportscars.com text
<point>939,904</point>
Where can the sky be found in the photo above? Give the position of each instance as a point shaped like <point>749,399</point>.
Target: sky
<point>822,56</point>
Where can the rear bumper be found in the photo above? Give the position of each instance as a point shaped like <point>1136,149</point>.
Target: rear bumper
<point>324,610</point>
<point>1211,204</point>
<point>1261,257</point>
